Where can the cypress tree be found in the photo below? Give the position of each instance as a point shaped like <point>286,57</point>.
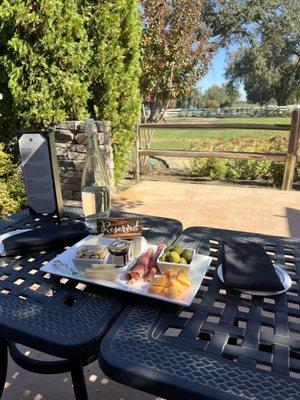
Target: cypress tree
<point>114,29</point>
<point>44,52</point>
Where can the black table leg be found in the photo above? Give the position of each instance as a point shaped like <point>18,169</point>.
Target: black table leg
<point>79,384</point>
<point>51,367</point>
<point>3,365</point>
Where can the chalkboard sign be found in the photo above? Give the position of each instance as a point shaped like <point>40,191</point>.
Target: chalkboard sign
<point>124,228</point>
<point>40,172</point>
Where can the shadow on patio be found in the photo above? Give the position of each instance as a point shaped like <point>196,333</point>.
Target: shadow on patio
<point>293,219</point>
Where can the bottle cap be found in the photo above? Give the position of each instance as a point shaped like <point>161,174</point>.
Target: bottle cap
<point>119,247</point>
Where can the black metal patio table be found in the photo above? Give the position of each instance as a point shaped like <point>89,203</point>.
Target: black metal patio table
<point>226,345</point>
<point>58,316</point>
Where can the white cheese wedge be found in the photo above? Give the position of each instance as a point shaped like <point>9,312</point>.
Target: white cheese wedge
<point>102,275</point>
<point>102,267</point>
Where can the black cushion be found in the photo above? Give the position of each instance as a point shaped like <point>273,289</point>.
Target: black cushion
<point>43,238</point>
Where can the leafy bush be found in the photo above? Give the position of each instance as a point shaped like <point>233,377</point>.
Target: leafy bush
<point>43,64</point>
<point>12,195</point>
<point>227,169</point>
<point>63,59</point>
<point>212,104</point>
<point>114,30</point>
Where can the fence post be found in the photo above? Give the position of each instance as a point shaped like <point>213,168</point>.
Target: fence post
<point>137,153</point>
<point>291,160</point>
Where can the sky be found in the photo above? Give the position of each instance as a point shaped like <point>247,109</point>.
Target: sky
<point>215,75</point>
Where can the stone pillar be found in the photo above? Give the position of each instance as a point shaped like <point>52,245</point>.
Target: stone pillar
<point>71,152</point>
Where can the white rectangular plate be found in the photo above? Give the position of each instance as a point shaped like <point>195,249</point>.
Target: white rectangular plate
<point>199,267</point>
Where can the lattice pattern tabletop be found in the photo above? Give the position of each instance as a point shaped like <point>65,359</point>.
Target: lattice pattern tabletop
<point>226,345</point>
<point>57,315</point>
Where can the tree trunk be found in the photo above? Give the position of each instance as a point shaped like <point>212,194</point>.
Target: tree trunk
<point>281,100</point>
<point>283,94</point>
<point>155,112</point>
<point>281,97</point>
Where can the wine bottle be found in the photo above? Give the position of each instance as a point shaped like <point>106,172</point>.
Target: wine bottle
<point>95,188</point>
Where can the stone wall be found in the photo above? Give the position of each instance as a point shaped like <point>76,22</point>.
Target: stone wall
<point>71,152</point>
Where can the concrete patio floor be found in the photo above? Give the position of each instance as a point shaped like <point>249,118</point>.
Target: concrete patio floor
<point>267,211</point>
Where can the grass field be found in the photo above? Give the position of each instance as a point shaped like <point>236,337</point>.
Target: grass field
<point>176,139</point>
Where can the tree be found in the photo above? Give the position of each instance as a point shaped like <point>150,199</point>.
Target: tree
<point>43,64</point>
<point>175,51</point>
<point>194,99</point>
<point>250,67</point>
<point>236,20</point>
<point>296,94</point>
<point>217,94</point>
<point>214,97</point>
<point>114,29</point>
<point>210,103</point>
<point>232,93</point>
<point>180,37</point>
<point>221,96</point>
<point>269,65</point>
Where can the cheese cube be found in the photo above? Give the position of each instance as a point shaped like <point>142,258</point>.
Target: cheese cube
<point>170,274</point>
<point>155,290</point>
<point>184,279</point>
<point>172,293</point>
<point>160,280</point>
<point>177,284</point>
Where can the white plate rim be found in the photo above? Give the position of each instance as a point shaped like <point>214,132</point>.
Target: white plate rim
<point>287,282</point>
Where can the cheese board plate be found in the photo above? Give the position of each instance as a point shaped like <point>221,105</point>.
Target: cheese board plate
<point>63,266</point>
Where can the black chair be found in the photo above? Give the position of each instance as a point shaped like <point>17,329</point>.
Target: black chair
<point>3,365</point>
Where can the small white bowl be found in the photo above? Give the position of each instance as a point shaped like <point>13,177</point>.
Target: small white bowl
<point>164,266</point>
<point>82,263</point>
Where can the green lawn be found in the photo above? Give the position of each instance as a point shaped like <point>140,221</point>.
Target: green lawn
<point>178,139</point>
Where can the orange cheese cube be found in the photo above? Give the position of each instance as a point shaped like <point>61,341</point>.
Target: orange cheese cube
<point>172,293</point>
<point>155,290</point>
<point>184,279</point>
<point>170,274</point>
<point>160,280</point>
<point>177,284</point>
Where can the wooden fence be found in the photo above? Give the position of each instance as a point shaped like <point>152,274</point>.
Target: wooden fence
<point>228,112</point>
<point>290,158</point>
